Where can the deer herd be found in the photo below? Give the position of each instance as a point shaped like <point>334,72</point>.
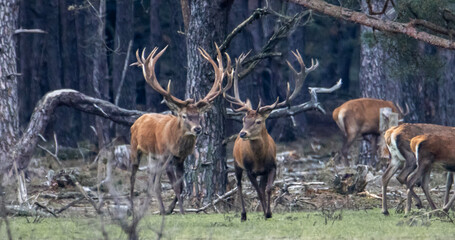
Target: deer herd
<point>166,140</point>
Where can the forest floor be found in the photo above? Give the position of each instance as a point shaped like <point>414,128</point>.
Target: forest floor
<point>305,198</point>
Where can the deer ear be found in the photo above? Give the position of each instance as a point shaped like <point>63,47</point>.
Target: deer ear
<point>203,106</point>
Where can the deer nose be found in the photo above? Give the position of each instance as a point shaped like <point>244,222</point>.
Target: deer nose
<point>197,130</point>
<point>242,134</point>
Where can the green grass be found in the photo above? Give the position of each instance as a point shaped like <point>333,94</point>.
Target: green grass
<point>347,224</point>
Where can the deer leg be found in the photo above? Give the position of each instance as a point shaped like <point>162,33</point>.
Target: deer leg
<point>262,186</point>
<point>255,184</point>
<point>134,168</point>
<point>179,185</point>
<point>449,203</point>
<point>426,190</point>
<point>374,150</point>
<point>238,176</point>
<point>268,190</point>
<point>344,150</point>
<point>172,178</point>
<point>412,180</point>
<point>410,164</point>
<point>448,187</point>
<point>391,169</point>
<point>156,168</point>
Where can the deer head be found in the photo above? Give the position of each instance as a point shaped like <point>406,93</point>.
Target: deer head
<point>254,120</point>
<point>188,111</point>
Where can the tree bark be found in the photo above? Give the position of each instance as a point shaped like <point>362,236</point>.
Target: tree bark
<point>206,169</point>
<point>410,29</point>
<point>9,112</point>
<point>123,35</point>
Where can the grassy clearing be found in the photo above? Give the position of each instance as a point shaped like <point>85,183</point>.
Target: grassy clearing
<point>347,224</point>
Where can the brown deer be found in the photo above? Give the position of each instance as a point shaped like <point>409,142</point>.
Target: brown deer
<point>360,117</point>
<point>430,149</point>
<point>168,139</point>
<point>254,148</point>
<point>397,140</point>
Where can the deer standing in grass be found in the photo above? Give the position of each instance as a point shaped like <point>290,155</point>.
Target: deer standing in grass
<point>254,148</point>
<point>168,139</point>
<point>360,117</point>
<point>430,149</point>
<point>397,140</point>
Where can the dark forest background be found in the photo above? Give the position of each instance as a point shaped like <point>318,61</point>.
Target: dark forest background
<point>371,63</point>
<point>63,58</point>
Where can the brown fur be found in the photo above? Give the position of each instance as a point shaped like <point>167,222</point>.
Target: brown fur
<point>430,149</point>
<point>359,117</point>
<point>398,142</point>
<point>255,153</point>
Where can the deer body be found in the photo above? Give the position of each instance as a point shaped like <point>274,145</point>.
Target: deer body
<point>171,138</point>
<point>430,149</point>
<point>254,148</point>
<point>360,117</point>
<point>398,140</point>
<point>166,140</point>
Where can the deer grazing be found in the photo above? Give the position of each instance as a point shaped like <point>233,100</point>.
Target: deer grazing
<point>397,140</point>
<point>254,149</point>
<point>360,117</point>
<point>168,139</point>
<point>430,149</point>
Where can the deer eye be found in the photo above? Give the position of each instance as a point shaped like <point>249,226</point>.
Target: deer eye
<point>184,116</point>
<point>258,122</point>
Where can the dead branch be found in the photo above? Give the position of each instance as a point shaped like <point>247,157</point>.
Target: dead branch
<point>376,23</point>
<point>42,114</point>
<point>21,30</point>
<point>46,209</point>
<point>213,203</point>
<point>69,205</point>
<point>293,110</point>
<point>55,154</point>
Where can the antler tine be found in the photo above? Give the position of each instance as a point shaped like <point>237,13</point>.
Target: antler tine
<point>268,107</point>
<point>299,77</point>
<point>219,74</point>
<point>148,70</point>
<point>229,73</point>
<point>244,106</point>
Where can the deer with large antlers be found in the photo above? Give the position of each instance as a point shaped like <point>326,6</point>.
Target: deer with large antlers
<point>168,139</point>
<point>254,148</point>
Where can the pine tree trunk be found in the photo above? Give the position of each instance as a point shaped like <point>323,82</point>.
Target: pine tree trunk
<point>374,78</point>
<point>124,92</point>
<point>9,116</point>
<point>206,169</point>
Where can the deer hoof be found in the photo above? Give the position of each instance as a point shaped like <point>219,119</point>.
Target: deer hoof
<point>385,212</point>
<point>243,219</point>
<point>268,215</point>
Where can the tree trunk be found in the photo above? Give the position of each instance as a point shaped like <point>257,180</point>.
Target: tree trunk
<point>206,169</point>
<point>375,82</point>
<point>9,115</point>
<point>100,71</point>
<point>124,91</point>
<point>446,106</point>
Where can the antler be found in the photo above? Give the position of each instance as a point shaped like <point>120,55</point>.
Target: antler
<point>299,77</point>
<point>234,74</point>
<point>148,69</point>
<point>219,74</point>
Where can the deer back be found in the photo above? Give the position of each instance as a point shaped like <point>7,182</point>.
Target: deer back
<point>361,115</point>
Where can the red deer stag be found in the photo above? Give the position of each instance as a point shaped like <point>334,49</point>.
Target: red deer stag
<point>169,139</point>
<point>360,117</point>
<point>430,149</point>
<point>254,148</point>
<point>397,140</point>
